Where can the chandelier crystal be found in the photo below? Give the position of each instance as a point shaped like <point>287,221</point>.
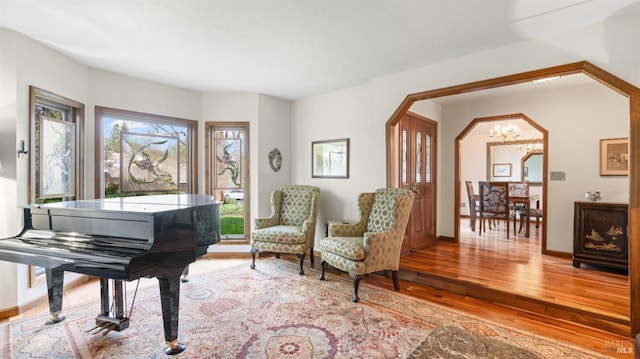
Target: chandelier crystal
<point>505,133</point>
<point>531,147</point>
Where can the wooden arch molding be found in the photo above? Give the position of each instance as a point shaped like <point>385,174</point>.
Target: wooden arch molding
<point>598,74</point>
<point>545,142</point>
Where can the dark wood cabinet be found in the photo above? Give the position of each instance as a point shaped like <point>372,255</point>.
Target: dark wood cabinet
<point>600,234</point>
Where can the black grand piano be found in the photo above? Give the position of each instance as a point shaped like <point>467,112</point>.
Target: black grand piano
<point>121,239</point>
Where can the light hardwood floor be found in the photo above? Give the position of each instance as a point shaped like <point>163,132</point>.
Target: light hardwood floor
<point>523,288</point>
<point>491,265</point>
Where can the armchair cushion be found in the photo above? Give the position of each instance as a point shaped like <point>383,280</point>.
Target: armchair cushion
<point>348,247</point>
<point>281,234</point>
<point>343,263</point>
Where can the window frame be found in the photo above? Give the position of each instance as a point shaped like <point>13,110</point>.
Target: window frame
<point>210,172</point>
<point>75,113</point>
<point>101,112</point>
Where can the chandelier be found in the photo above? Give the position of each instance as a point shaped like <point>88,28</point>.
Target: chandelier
<point>505,133</point>
<point>531,147</point>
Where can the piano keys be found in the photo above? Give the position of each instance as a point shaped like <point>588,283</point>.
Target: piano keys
<point>121,239</point>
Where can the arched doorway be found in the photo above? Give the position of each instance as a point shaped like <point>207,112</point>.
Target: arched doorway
<point>545,143</point>
<point>624,88</point>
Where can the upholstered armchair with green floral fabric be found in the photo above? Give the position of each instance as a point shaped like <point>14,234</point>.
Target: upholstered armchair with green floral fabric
<point>291,227</point>
<point>374,243</point>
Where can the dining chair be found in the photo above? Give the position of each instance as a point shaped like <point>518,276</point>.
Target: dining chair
<point>494,203</point>
<point>474,208</point>
<point>521,189</point>
<point>533,212</point>
<point>518,189</point>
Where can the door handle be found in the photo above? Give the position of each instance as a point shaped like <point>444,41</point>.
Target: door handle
<point>414,188</point>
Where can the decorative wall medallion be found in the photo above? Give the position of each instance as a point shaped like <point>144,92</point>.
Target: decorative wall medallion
<point>275,160</point>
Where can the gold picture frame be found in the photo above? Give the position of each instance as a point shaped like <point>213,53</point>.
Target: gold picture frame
<point>614,157</point>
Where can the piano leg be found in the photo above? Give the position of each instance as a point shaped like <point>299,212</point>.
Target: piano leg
<point>55,286</point>
<point>184,277</point>
<point>170,299</point>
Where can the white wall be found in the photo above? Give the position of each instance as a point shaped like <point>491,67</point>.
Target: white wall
<point>9,223</point>
<point>274,131</point>
<point>368,107</point>
<point>342,114</point>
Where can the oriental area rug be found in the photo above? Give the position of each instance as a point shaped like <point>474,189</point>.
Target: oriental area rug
<point>273,312</point>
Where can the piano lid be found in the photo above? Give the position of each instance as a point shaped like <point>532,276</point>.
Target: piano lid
<point>139,204</point>
<point>128,217</point>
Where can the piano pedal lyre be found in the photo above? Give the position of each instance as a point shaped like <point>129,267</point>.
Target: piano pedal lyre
<point>110,323</point>
<point>94,331</point>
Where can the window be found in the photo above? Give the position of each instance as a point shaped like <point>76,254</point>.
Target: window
<point>227,179</point>
<point>56,148</point>
<point>139,153</point>
<point>56,169</point>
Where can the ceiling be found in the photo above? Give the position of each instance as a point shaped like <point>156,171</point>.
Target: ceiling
<point>288,48</point>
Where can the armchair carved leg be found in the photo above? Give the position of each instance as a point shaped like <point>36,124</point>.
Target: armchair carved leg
<point>396,284</point>
<point>253,258</point>
<point>301,256</point>
<point>311,254</point>
<point>324,265</point>
<point>356,284</point>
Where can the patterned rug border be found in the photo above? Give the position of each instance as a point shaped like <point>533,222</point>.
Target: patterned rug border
<point>430,314</point>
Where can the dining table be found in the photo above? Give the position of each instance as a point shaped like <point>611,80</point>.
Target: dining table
<point>526,200</point>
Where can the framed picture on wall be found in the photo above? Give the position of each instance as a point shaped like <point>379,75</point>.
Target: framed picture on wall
<point>330,158</point>
<point>614,157</point>
<point>502,170</point>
